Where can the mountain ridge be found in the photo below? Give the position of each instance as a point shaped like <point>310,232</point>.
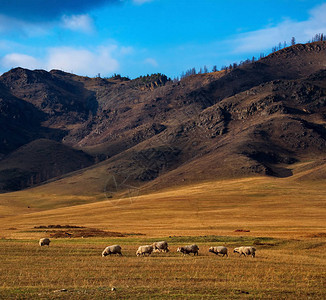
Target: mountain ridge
<point>257,119</point>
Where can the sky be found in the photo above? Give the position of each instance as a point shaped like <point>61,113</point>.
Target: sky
<point>139,37</point>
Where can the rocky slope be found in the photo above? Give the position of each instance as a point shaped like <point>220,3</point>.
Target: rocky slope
<point>259,118</point>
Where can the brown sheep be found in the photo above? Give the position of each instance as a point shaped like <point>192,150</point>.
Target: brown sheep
<point>245,251</point>
<point>189,249</point>
<point>161,246</point>
<point>219,250</point>
<point>44,242</point>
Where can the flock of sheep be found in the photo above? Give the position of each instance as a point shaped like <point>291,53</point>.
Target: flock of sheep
<point>164,247</point>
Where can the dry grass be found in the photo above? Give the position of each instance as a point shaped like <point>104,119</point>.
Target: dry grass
<point>278,272</point>
<point>265,206</point>
<point>290,263</point>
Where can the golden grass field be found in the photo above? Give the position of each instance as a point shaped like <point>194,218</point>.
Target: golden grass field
<point>278,272</point>
<point>286,218</point>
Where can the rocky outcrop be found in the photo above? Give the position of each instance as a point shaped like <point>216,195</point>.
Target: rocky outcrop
<point>258,118</point>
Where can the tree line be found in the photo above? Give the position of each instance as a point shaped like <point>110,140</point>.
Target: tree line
<point>203,70</point>
<point>192,71</point>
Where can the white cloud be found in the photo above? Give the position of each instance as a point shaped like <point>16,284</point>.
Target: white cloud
<point>78,23</point>
<point>13,60</point>
<point>83,23</point>
<point>269,37</point>
<point>151,61</point>
<point>82,61</point>
<point>102,59</point>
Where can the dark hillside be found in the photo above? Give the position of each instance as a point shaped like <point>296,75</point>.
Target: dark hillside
<point>39,161</point>
<point>257,119</point>
<point>20,123</point>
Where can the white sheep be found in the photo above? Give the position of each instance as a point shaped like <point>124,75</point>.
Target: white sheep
<point>189,249</point>
<point>44,242</point>
<point>245,251</point>
<point>219,250</point>
<point>160,246</point>
<point>143,250</point>
<point>114,249</point>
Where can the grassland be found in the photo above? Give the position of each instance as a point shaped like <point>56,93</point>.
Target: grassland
<point>265,206</point>
<point>283,218</point>
<point>283,269</point>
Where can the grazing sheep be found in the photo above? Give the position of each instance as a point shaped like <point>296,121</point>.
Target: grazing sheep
<point>245,251</point>
<point>143,250</point>
<point>219,250</point>
<point>161,246</point>
<point>44,242</point>
<point>115,249</point>
<point>189,249</point>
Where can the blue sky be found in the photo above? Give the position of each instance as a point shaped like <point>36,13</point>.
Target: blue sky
<point>138,37</point>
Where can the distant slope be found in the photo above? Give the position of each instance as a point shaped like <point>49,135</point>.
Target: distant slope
<point>265,206</point>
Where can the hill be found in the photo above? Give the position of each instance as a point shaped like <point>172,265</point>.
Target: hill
<point>39,161</point>
<point>257,119</point>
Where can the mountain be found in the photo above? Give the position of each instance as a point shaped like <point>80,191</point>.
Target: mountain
<point>257,119</point>
<point>39,161</point>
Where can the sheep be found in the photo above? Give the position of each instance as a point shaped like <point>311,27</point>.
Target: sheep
<point>143,250</point>
<point>219,250</point>
<point>245,251</point>
<point>189,249</point>
<point>114,249</point>
<point>161,246</point>
<point>44,242</point>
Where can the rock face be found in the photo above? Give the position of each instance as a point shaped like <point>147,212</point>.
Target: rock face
<point>257,119</point>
